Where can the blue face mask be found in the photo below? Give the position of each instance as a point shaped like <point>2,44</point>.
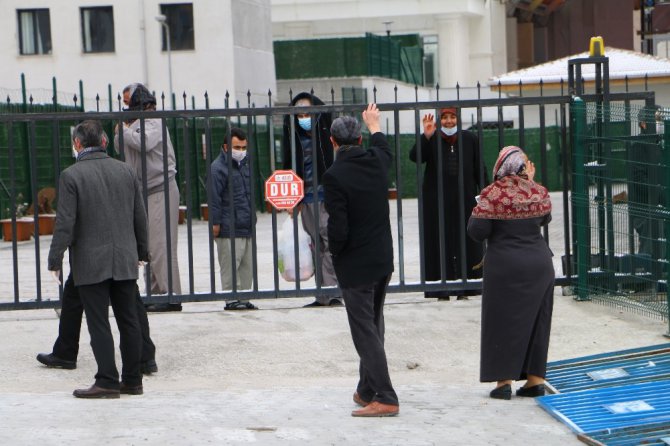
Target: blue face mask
<point>305,123</point>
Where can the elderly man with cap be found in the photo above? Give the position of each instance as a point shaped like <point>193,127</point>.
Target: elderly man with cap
<point>359,229</point>
<point>450,164</point>
<point>155,186</point>
<point>313,155</point>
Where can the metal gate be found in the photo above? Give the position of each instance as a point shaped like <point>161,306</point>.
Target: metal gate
<point>35,147</point>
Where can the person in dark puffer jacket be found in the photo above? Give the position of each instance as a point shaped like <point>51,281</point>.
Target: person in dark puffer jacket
<point>225,172</point>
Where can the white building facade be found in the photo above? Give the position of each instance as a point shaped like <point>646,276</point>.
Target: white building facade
<point>471,35</point>
<point>215,46</point>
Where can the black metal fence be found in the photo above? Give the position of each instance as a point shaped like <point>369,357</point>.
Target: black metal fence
<point>197,141</point>
<point>35,147</point>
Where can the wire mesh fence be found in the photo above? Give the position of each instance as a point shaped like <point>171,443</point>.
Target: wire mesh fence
<point>620,204</point>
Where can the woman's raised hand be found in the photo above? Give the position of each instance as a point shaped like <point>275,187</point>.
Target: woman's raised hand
<point>429,125</point>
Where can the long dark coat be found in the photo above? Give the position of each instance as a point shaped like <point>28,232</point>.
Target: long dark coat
<point>454,226</point>
<point>517,298</point>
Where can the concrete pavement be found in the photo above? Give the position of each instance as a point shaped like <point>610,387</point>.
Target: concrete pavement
<point>285,374</point>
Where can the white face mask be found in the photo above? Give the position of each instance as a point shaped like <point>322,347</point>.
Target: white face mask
<point>450,131</point>
<point>238,155</point>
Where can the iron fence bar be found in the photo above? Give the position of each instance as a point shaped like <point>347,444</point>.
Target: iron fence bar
<point>313,109</point>
<point>145,195</point>
<point>231,200</point>
<point>275,256</point>
<point>419,182</point>
<point>398,187</point>
<point>461,208</point>
<point>294,215</point>
<point>440,196</point>
<point>318,273</point>
<point>166,204</point>
<point>209,188</point>
<point>189,205</point>
<point>32,155</point>
<point>543,159</point>
<point>566,152</point>
<point>251,159</point>
<point>12,204</point>
<point>580,198</point>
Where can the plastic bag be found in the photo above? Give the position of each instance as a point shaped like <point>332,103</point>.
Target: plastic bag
<point>286,253</point>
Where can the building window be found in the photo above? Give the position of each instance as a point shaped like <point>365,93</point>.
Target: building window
<point>179,19</point>
<point>97,29</point>
<point>34,31</point>
<point>430,71</point>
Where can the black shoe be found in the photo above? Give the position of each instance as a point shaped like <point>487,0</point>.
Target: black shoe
<point>503,392</point>
<point>161,308</point>
<point>51,360</point>
<point>436,294</point>
<point>532,392</point>
<point>149,367</point>
<point>237,305</point>
<point>96,392</point>
<point>131,390</point>
<point>335,303</point>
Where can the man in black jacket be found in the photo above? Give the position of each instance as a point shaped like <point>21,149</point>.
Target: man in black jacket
<point>359,230</point>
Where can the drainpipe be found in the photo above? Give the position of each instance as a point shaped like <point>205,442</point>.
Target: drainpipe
<point>143,45</point>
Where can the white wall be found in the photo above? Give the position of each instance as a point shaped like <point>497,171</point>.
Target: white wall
<point>233,51</point>
<point>472,45</point>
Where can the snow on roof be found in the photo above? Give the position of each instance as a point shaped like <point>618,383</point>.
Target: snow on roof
<point>622,63</point>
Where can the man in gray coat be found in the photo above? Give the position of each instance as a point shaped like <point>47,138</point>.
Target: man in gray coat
<point>102,221</point>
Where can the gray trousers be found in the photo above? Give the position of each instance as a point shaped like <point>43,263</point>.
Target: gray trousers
<point>242,262</point>
<point>320,229</point>
<point>365,311</point>
<point>158,240</point>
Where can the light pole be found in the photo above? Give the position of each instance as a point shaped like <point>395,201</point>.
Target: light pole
<point>163,21</point>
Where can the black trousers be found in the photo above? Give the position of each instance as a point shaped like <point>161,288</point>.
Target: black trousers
<point>365,311</point>
<point>96,299</point>
<point>67,344</point>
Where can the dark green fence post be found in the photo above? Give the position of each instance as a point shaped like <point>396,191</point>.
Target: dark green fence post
<point>580,199</point>
<point>81,94</point>
<point>109,94</point>
<point>54,99</point>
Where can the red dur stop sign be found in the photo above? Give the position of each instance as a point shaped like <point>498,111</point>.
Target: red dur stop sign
<point>284,189</point>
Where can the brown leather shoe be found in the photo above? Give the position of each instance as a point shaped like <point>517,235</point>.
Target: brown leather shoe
<point>131,390</point>
<point>96,392</point>
<point>377,409</point>
<point>360,401</point>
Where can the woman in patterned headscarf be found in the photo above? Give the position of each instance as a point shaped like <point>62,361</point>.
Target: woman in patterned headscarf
<point>518,283</point>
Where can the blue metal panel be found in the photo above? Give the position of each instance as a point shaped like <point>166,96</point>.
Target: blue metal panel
<point>650,434</point>
<point>611,408</point>
<point>610,369</point>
